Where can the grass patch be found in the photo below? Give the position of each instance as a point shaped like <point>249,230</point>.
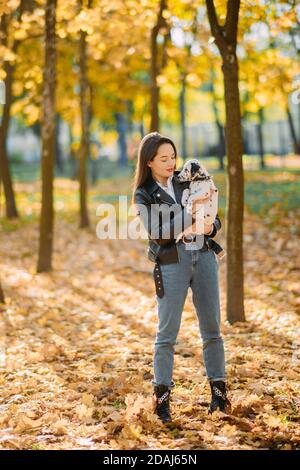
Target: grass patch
<point>271,193</point>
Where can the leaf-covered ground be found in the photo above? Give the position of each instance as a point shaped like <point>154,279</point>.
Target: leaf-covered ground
<point>76,344</point>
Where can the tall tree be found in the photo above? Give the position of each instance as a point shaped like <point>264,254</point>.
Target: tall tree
<point>296,142</point>
<point>84,116</point>
<point>226,40</point>
<point>9,67</point>
<point>155,66</point>
<point>48,140</point>
<point>59,163</point>
<point>121,126</point>
<point>182,110</point>
<point>261,138</point>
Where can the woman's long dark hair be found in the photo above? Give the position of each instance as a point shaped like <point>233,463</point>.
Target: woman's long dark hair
<point>146,152</point>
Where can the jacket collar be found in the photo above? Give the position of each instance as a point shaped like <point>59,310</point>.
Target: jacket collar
<point>151,187</point>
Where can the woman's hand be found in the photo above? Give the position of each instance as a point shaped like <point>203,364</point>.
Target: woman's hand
<point>193,229</point>
<point>207,229</point>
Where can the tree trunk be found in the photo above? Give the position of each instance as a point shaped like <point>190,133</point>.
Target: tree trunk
<point>154,67</point>
<point>225,38</point>
<point>235,196</point>
<point>73,162</point>
<point>5,176</point>
<point>48,141</point>
<point>154,126</point>
<point>182,108</point>
<point>296,144</point>
<point>93,159</point>
<point>281,138</point>
<point>260,138</point>
<point>83,149</point>
<point>58,151</point>
<point>141,128</point>
<point>121,129</point>
<point>221,145</point>
<point>130,114</point>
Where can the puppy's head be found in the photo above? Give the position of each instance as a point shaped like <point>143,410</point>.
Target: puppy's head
<point>190,170</point>
<point>195,169</point>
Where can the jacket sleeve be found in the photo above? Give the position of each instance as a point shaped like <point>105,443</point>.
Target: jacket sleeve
<point>159,227</point>
<point>217,225</point>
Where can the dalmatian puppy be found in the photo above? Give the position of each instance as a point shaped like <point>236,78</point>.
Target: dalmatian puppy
<point>201,186</point>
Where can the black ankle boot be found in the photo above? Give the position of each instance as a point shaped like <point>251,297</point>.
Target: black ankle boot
<point>218,397</point>
<point>161,402</point>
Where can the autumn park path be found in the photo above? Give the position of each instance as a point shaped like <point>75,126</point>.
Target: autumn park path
<point>76,348</point>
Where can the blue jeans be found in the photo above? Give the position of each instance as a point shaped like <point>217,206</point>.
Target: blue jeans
<point>198,270</point>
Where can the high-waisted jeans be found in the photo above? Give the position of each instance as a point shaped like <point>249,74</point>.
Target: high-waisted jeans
<point>198,270</point>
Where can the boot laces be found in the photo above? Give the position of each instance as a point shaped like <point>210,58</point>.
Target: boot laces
<point>219,393</point>
<point>163,398</point>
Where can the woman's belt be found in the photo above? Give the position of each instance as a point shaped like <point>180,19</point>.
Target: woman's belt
<point>209,242</point>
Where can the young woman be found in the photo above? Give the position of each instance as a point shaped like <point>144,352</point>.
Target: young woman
<point>178,266</point>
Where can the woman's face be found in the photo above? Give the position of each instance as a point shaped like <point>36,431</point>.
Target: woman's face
<point>164,162</point>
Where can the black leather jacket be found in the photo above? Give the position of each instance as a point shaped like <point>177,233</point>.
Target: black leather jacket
<point>162,249</point>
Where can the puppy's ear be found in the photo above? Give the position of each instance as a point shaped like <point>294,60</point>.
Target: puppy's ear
<point>194,168</point>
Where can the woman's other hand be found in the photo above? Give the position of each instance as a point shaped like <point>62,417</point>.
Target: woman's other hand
<point>193,230</point>
<point>207,229</point>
